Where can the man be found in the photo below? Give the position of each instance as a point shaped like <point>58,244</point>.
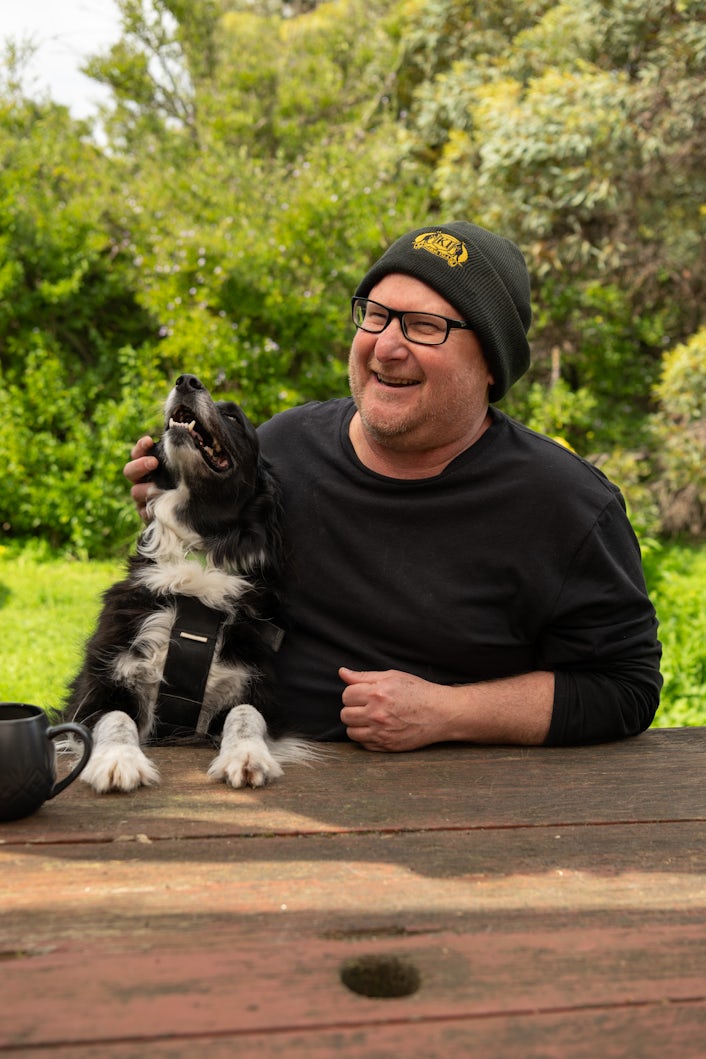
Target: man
<point>454,575</point>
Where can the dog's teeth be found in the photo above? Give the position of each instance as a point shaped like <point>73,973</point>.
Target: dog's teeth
<point>191,425</point>
<point>172,423</point>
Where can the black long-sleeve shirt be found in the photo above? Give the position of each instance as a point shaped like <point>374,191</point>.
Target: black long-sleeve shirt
<point>518,557</point>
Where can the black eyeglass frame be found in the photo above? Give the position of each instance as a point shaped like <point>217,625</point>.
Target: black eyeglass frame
<point>398,314</point>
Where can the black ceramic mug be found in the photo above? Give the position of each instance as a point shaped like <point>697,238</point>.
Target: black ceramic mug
<point>27,758</point>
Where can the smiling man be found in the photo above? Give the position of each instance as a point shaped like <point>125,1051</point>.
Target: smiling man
<point>453,574</point>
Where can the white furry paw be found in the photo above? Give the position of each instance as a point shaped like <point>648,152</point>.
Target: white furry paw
<point>250,764</point>
<point>119,767</point>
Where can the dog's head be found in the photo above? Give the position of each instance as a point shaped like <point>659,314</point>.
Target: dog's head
<point>205,443</point>
<point>225,492</point>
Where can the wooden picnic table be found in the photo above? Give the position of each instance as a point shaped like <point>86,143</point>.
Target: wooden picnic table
<point>519,902</point>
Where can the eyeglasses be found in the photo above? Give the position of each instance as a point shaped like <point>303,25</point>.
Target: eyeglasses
<point>427,329</point>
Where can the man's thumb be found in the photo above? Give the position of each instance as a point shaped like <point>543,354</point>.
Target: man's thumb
<point>352,676</point>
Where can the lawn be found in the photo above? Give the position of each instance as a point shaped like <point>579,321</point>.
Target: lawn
<point>49,605</point>
<point>47,610</point>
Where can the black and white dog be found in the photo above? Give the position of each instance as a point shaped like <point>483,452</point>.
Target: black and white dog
<point>184,645</point>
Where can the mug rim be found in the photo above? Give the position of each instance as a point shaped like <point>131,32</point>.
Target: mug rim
<point>34,711</point>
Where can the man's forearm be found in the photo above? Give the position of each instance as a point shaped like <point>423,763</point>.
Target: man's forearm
<point>392,710</point>
<point>510,710</point>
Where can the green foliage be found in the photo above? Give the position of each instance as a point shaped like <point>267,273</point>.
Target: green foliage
<point>187,245</point>
<point>257,156</point>
<point>62,269</point>
<point>67,307</point>
<point>676,577</point>
<point>249,218</point>
<point>59,483</point>
<point>559,412</point>
<point>679,432</point>
<point>578,129</point>
<point>250,277</point>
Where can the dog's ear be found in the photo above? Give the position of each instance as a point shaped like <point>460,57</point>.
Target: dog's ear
<point>255,543</point>
<point>161,475</point>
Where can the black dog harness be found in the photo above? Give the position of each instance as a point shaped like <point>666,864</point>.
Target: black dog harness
<point>192,643</point>
<point>191,646</point>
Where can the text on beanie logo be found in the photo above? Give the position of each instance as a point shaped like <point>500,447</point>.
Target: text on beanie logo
<point>451,249</point>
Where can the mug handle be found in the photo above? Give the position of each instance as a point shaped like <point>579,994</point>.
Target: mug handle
<point>87,740</point>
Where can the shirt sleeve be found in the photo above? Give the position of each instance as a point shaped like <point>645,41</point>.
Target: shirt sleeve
<point>602,641</point>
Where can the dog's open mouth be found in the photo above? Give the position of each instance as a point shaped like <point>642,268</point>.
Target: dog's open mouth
<point>183,419</point>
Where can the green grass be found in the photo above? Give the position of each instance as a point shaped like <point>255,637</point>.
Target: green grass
<point>47,610</point>
<point>48,607</point>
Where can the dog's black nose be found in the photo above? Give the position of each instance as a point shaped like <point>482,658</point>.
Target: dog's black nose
<point>188,383</point>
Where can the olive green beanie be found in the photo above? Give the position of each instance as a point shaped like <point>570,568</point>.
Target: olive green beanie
<point>485,278</point>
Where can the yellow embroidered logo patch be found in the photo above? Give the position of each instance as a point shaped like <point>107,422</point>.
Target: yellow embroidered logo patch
<point>453,251</point>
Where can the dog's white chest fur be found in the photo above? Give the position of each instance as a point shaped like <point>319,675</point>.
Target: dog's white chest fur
<point>214,587</point>
<point>142,665</point>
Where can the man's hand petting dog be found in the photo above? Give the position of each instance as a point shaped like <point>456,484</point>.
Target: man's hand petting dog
<point>142,464</point>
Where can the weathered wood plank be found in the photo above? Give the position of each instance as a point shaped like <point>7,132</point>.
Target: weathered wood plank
<point>656,777</point>
<point>233,986</point>
<point>49,893</point>
<point>654,1031</point>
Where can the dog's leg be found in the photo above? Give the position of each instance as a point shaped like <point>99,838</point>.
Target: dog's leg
<point>117,763</point>
<point>244,759</point>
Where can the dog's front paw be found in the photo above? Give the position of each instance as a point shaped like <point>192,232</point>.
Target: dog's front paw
<point>245,766</point>
<point>119,768</point>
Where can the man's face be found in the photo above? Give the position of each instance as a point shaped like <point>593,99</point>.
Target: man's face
<point>412,396</point>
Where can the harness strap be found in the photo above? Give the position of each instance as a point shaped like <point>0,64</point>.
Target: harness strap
<point>191,646</point>
<point>270,633</point>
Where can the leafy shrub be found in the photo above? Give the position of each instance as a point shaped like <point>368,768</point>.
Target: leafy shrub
<point>64,455</point>
<point>679,433</point>
<point>676,577</point>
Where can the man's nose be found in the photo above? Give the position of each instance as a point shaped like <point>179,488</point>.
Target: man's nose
<point>391,342</point>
